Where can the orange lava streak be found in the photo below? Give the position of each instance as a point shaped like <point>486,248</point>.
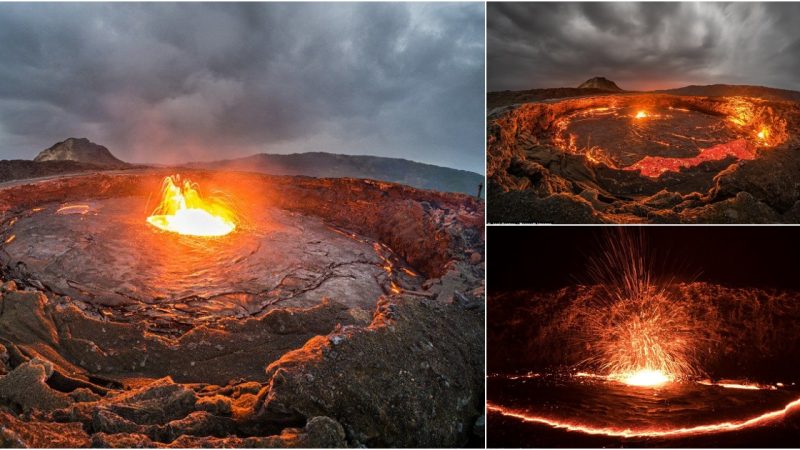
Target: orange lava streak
<point>408,272</point>
<point>720,427</point>
<point>73,209</point>
<point>752,387</point>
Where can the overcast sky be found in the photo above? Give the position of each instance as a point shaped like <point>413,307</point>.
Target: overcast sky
<point>643,46</point>
<point>178,82</point>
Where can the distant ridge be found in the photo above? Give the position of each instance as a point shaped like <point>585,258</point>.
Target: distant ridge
<point>331,165</point>
<point>501,99</point>
<point>727,90</point>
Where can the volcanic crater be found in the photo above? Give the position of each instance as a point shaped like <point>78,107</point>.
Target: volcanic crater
<point>745,391</point>
<point>331,300</point>
<point>643,157</point>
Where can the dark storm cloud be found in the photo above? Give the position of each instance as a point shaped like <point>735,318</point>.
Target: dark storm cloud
<point>166,82</point>
<point>643,45</point>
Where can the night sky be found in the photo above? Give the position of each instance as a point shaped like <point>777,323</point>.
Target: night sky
<point>167,82</point>
<point>545,258</point>
<point>643,46</point>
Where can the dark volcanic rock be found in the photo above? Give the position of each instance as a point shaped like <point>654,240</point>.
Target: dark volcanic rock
<point>600,83</point>
<point>79,150</point>
<point>15,433</point>
<point>20,169</point>
<point>25,387</point>
<point>727,90</point>
<point>499,99</point>
<point>523,207</point>
<point>773,179</point>
<point>400,404</point>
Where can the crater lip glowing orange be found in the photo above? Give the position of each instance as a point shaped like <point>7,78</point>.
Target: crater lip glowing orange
<point>184,211</point>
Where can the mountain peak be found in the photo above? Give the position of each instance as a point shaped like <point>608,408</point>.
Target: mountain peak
<point>600,83</point>
<point>81,150</point>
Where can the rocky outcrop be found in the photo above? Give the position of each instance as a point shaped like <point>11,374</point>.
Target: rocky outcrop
<point>600,83</point>
<point>400,403</point>
<point>80,150</point>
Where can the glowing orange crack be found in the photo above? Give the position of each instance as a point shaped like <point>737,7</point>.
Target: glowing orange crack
<point>753,387</point>
<point>631,433</point>
<point>73,209</point>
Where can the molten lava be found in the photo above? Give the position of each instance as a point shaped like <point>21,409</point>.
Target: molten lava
<point>628,432</point>
<point>640,115</point>
<point>763,136</point>
<point>655,166</point>
<point>638,334</point>
<point>645,377</point>
<point>182,210</point>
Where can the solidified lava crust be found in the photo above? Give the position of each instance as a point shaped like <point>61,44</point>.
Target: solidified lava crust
<point>682,160</point>
<point>343,313</point>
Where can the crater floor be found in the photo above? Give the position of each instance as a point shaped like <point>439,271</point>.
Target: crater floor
<point>616,135</point>
<point>103,253</point>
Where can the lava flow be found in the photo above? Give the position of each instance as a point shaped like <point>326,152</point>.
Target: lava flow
<point>655,166</point>
<point>720,427</point>
<point>182,210</point>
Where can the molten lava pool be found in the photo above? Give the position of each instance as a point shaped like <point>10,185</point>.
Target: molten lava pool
<point>105,253</point>
<point>580,405</point>
<point>641,157</point>
<point>654,140</point>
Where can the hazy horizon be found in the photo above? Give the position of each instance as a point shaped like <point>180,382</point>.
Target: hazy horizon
<point>642,45</point>
<point>167,83</point>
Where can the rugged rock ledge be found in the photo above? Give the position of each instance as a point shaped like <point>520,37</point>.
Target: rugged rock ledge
<point>411,375</point>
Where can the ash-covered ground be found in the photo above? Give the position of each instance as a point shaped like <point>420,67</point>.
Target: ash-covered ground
<point>579,156</point>
<point>343,312</point>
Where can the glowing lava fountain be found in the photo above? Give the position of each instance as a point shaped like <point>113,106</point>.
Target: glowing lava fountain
<point>182,210</point>
<point>638,333</point>
<point>645,377</point>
